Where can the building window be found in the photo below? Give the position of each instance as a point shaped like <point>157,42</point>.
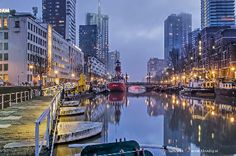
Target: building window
<point>5,46</point>
<point>17,24</point>
<point>1,46</point>
<point>0,22</point>
<point>1,57</point>
<point>6,57</point>
<point>5,23</point>
<point>0,67</point>
<point>5,35</point>
<point>5,67</point>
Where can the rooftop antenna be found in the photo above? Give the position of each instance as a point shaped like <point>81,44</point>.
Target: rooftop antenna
<point>99,8</point>
<point>35,11</point>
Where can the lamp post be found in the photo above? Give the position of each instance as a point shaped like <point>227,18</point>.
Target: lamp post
<point>56,72</point>
<point>126,77</point>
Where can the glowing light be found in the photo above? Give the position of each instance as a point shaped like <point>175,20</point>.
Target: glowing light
<point>4,10</point>
<point>232,119</point>
<point>31,66</point>
<point>213,113</point>
<point>50,39</point>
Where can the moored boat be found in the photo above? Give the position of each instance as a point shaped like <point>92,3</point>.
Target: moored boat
<point>199,88</point>
<point>130,148</point>
<point>226,89</point>
<point>69,111</point>
<point>136,89</point>
<point>117,83</point>
<point>74,131</point>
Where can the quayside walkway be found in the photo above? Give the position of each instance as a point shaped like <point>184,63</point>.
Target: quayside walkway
<point>17,126</point>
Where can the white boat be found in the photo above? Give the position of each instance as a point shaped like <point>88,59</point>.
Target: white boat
<point>70,103</point>
<point>74,131</point>
<point>136,89</point>
<point>199,87</point>
<point>66,111</point>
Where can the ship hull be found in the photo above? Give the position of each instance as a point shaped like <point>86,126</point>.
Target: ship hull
<point>225,92</point>
<point>117,87</point>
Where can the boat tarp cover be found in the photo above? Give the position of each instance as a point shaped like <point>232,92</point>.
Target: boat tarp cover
<point>113,149</point>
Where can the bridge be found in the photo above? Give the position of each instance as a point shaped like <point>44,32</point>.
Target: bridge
<point>145,84</point>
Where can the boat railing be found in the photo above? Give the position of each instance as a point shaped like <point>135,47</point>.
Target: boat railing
<point>50,115</point>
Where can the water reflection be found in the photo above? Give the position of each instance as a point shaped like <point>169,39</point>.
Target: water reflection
<point>195,125</point>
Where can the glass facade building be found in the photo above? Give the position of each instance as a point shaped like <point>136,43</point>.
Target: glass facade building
<point>217,13</point>
<point>177,28</point>
<point>61,14</point>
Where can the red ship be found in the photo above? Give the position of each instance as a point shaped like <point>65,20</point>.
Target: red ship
<point>117,83</point>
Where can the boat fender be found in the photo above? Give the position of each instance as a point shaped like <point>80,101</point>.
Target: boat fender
<point>122,152</point>
<point>143,152</point>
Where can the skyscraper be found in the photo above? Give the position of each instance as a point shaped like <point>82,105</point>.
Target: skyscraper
<point>88,35</point>
<point>217,13</point>
<point>61,14</point>
<point>102,22</point>
<point>177,28</point>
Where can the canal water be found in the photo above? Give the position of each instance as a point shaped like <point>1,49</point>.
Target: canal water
<point>195,125</point>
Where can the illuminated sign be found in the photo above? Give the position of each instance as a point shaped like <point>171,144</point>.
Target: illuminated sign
<point>5,11</point>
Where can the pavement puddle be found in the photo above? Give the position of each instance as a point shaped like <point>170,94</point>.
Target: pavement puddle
<point>20,144</point>
<point>5,113</point>
<point>3,126</point>
<point>11,118</point>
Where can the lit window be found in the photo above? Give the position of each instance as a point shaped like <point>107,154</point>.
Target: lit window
<point>5,23</point>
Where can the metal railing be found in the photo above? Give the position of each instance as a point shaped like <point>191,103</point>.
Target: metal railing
<point>8,99</point>
<point>50,116</point>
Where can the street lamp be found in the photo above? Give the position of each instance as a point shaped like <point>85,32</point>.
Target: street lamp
<point>31,67</point>
<point>56,72</point>
<point>126,77</point>
<point>73,75</point>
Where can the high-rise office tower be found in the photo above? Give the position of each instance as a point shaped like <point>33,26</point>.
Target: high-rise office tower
<point>61,14</point>
<point>177,28</point>
<point>102,22</point>
<point>88,40</point>
<point>217,13</point>
<point>185,27</point>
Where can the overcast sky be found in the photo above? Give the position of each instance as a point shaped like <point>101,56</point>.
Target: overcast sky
<point>136,27</point>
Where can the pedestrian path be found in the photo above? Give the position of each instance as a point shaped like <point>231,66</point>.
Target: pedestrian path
<point>17,126</point>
